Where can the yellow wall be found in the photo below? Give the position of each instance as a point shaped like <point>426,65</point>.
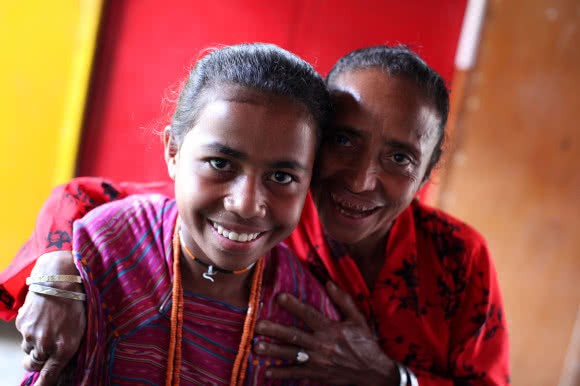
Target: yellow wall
<point>46,49</point>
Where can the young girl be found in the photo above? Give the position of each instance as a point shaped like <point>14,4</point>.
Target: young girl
<point>174,287</point>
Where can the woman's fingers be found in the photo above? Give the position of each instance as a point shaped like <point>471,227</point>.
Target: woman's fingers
<point>308,314</point>
<point>51,371</point>
<point>32,361</point>
<point>290,335</point>
<point>288,353</point>
<point>345,303</point>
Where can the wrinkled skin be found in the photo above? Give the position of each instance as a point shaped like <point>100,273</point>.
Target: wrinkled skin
<point>56,331</point>
<point>340,353</point>
<point>373,162</point>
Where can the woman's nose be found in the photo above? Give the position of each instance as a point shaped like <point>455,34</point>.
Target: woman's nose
<point>362,176</point>
<point>246,198</point>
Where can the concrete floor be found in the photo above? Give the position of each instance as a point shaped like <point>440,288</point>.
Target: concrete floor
<point>11,371</point>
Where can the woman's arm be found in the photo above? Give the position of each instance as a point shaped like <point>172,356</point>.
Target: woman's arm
<point>52,327</point>
<point>53,230</point>
<point>346,352</point>
<point>339,352</point>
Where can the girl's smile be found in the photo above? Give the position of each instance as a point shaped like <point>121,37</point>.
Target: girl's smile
<point>242,174</point>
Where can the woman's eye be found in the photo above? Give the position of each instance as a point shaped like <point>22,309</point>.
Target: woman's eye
<point>282,178</point>
<point>220,164</point>
<point>401,159</point>
<point>342,140</point>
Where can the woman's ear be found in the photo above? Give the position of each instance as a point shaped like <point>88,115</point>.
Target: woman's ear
<point>171,150</point>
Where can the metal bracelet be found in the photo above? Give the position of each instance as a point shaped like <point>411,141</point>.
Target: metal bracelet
<point>402,374</point>
<point>412,378</point>
<point>53,278</point>
<point>45,290</point>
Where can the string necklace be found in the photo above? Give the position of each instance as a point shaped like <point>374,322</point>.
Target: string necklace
<point>172,377</point>
<point>212,270</point>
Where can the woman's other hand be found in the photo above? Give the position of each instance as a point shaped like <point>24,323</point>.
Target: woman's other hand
<point>343,352</point>
<point>51,327</point>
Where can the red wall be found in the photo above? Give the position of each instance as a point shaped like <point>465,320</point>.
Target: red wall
<point>146,47</point>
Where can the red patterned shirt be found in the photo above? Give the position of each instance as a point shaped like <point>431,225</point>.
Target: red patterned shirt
<point>435,306</point>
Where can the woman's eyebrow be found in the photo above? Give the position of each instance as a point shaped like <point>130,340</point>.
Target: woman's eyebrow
<point>225,150</point>
<point>350,131</point>
<point>393,143</point>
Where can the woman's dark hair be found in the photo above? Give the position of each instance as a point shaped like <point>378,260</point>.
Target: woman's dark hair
<point>401,61</point>
<point>260,66</point>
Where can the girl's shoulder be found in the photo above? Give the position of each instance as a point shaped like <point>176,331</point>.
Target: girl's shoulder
<point>133,231</point>
<point>285,273</point>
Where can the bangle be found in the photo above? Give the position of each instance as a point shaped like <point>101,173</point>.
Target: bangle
<point>45,290</point>
<point>53,278</point>
<point>402,374</point>
<point>412,378</point>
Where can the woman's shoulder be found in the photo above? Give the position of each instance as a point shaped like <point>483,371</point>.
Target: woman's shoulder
<point>439,225</point>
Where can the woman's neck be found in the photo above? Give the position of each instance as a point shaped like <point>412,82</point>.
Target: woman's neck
<point>233,289</point>
<point>369,256</point>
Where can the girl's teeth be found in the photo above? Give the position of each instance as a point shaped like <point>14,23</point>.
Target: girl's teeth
<point>234,236</point>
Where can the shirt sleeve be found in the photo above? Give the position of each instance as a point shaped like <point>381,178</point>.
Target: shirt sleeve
<point>479,346</point>
<point>53,229</point>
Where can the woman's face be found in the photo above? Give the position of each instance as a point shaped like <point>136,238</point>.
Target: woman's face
<point>242,174</point>
<point>375,158</point>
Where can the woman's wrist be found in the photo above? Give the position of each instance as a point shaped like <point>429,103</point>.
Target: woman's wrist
<point>383,372</point>
<point>58,263</point>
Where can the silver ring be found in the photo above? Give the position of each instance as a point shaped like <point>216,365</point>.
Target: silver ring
<point>302,356</point>
<point>34,359</point>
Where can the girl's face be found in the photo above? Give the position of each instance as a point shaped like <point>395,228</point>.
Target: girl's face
<point>376,157</point>
<point>242,174</point>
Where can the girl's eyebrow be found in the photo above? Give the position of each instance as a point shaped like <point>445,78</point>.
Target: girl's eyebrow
<point>287,164</point>
<point>226,150</point>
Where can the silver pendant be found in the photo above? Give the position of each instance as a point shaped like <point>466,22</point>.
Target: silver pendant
<point>210,272</point>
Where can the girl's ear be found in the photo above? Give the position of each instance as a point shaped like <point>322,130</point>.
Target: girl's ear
<point>171,151</point>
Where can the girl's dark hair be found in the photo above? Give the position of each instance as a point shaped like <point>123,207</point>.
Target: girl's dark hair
<point>260,66</point>
<point>401,61</point>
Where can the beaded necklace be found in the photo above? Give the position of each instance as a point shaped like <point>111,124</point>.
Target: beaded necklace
<point>174,354</point>
<point>212,270</point>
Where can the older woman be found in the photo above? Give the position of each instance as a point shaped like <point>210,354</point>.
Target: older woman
<point>426,293</point>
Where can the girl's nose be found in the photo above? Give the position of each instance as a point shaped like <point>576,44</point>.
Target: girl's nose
<point>246,198</point>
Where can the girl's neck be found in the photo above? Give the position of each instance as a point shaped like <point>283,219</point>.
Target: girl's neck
<point>233,289</point>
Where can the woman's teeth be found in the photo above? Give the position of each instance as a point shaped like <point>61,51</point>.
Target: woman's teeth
<point>235,236</point>
<point>350,209</point>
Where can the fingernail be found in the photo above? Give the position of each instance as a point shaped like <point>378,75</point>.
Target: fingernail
<point>260,326</point>
<point>261,346</point>
<point>268,373</point>
<point>283,297</point>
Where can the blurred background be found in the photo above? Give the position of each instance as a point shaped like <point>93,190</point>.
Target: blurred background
<point>87,83</point>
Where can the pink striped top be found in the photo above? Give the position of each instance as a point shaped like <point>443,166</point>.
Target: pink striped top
<point>124,253</point>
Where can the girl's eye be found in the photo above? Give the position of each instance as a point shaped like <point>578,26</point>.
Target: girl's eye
<point>282,178</point>
<point>220,164</point>
<point>342,140</point>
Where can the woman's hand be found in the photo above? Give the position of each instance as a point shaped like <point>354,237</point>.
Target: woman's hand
<point>338,352</point>
<point>51,327</point>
